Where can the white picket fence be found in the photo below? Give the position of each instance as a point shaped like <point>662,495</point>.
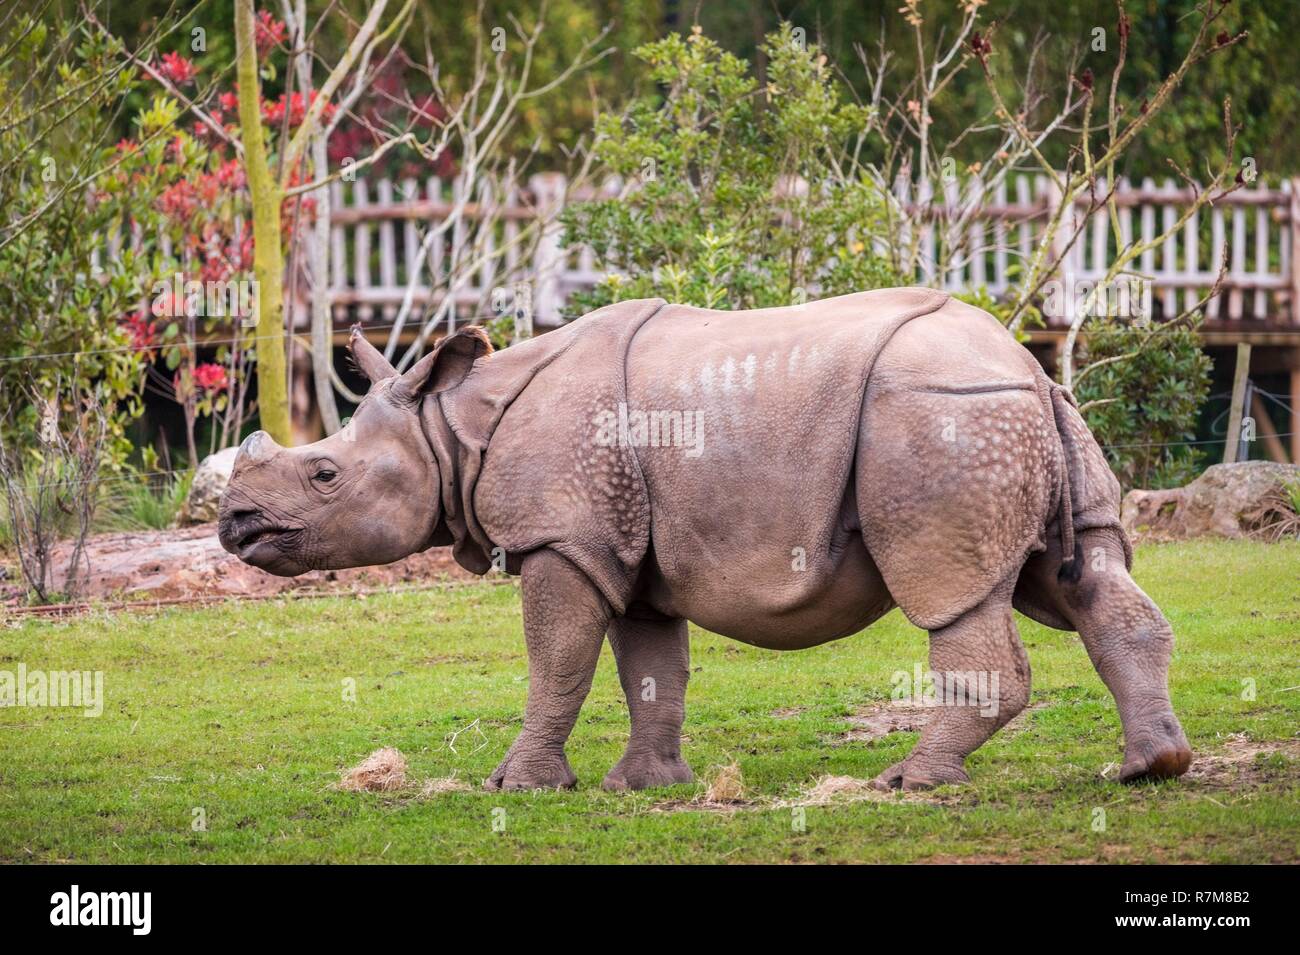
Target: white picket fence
<point>377,227</point>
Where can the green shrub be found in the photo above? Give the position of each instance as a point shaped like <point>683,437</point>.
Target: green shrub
<point>66,189</point>
<point>1145,406</point>
<point>736,196</point>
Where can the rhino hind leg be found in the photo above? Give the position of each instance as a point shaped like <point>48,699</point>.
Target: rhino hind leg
<point>1129,642</point>
<point>653,658</point>
<point>564,626</point>
<point>981,682</point>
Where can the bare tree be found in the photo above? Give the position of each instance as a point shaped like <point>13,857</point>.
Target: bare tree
<point>51,489</point>
<point>473,124</point>
<point>930,203</point>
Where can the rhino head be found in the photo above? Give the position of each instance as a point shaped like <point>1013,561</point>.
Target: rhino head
<point>369,494</point>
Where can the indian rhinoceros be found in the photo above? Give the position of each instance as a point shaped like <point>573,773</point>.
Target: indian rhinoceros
<point>783,476</point>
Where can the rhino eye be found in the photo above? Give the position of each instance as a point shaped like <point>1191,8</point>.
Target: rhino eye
<point>324,475</point>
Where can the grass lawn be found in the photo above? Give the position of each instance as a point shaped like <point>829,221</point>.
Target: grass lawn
<point>239,710</point>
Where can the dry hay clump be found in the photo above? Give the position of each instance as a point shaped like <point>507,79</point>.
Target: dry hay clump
<point>724,793</point>
<point>1277,514</point>
<point>846,789</point>
<point>727,787</point>
<point>829,788</point>
<point>445,784</point>
<point>384,771</point>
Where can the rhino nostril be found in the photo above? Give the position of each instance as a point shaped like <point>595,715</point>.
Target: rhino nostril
<point>242,513</point>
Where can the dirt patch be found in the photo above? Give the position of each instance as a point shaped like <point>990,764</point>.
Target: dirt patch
<point>1244,763</point>
<point>845,789</point>
<point>788,712</point>
<point>726,794</point>
<point>189,562</point>
<point>973,860</point>
<point>878,720</point>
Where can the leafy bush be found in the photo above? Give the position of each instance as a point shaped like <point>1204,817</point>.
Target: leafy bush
<point>735,196</point>
<point>1143,409</point>
<point>65,190</point>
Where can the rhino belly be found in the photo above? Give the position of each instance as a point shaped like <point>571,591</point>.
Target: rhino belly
<point>764,595</point>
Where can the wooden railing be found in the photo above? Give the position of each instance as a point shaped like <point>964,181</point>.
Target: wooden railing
<point>377,228</point>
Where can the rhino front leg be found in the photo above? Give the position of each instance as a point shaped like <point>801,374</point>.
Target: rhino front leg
<point>565,617</point>
<point>653,659</point>
<point>981,677</point>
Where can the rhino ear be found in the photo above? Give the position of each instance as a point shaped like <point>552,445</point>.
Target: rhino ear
<point>369,359</point>
<point>446,366</point>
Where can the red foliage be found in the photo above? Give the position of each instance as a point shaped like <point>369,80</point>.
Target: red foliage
<point>270,32</point>
<point>210,377</point>
<point>177,69</point>
<point>231,174</point>
<point>387,103</point>
<point>273,113</point>
<point>179,200</point>
<point>143,333</point>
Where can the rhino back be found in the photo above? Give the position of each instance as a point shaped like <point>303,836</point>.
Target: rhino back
<point>747,510</point>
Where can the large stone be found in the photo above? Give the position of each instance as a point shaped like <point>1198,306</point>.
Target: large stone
<point>210,480</point>
<point>1225,501</point>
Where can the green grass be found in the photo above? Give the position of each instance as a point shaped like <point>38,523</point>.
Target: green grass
<point>239,709</point>
<point>131,504</point>
<point>126,502</point>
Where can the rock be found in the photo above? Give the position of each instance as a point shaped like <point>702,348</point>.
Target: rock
<point>210,480</point>
<point>1226,501</point>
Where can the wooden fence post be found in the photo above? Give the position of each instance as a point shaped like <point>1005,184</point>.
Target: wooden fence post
<point>548,195</point>
<point>1295,250</point>
<point>1239,379</point>
<point>1295,411</point>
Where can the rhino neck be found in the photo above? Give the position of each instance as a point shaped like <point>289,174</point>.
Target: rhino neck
<point>459,423</point>
<point>453,526</point>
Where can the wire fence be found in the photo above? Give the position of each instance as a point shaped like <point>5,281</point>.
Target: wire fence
<point>204,343</point>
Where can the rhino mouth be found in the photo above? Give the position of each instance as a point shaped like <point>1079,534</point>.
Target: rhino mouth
<point>264,538</point>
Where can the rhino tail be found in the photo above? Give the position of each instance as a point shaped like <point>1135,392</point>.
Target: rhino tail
<point>1071,549</point>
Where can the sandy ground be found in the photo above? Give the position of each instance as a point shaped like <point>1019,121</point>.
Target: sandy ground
<point>189,562</point>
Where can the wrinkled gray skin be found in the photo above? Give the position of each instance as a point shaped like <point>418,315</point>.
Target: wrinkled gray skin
<point>891,448</point>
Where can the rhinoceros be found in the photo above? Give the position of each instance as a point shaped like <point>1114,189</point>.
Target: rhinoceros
<point>782,476</point>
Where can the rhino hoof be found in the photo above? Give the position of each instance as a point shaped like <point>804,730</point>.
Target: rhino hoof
<point>912,775</point>
<point>647,772</point>
<point>1168,763</point>
<point>538,771</point>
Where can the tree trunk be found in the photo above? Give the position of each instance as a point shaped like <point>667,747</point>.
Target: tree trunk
<point>322,338</point>
<point>268,257</point>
